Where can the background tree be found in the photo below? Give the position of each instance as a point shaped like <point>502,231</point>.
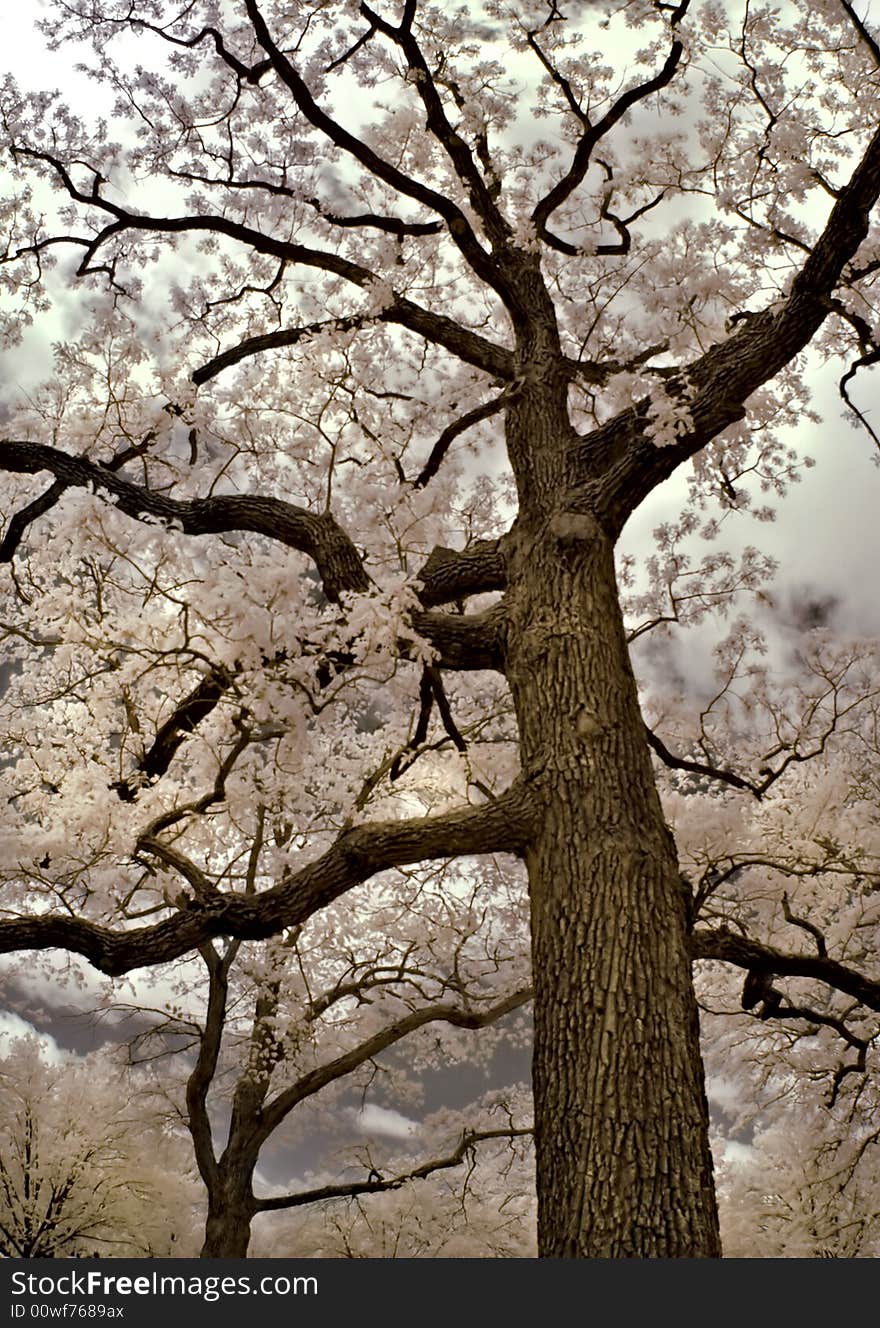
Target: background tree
<point>83,1167</point>
<point>352,291</point>
<point>281,1035</point>
<point>802,1193</point>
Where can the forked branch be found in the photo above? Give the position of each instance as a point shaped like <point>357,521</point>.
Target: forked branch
<point>466,1148</point>
<point>501,826</point>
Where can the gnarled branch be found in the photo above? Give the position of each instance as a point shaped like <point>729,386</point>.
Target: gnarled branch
<point>730,948</point>
<point>501,826</point>
<point>466,1146</point>
<point>320,536</point>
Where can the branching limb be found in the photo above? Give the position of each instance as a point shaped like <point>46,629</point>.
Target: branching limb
<point>438,328</point>
<point>123,219</point>
<point>201,1076</point>
<point>462,642</point>
<point>863,362</point>
<point>352,50</point>
<point>19,523</point>
<point>447,575</point>
<point>758,990</point>
<point>619,463</point>
<point>400,762</point>
<point>395,226</point>
<point>371,220</point>
<point>479,191</point>
<point>444,710</point>
<point>862,30</point>
<point>451,574</point>
<point>431,690</point>
<point>458,1016</point>
<point>320,536</point>
<point>246,73</point>
<point>172,858</point>
<point>289,336</point>
<point>501,826</point>
<point>870,354</point>
<point>435,328</point>
<point>464,1149</point>
<point>595,132</point>
<point>465,641</point>
<point>148,842</point>
<point>459,227</point>
<point>730,948</point>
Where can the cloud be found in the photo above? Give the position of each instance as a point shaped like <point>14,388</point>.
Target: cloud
<point>736,1153</point>
<point>389,1124</point>
<point>12,1027</point>
<point>724,1094</point>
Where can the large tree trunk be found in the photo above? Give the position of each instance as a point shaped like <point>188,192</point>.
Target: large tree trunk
<point>621,1120</point>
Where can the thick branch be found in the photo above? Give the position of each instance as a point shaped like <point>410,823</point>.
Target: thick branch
<point>862,30</point>
<point>20,521</point>
<point>451,574</point>
<point>807,926</point>
<point>311,1083</point>
<point>465,641</point>
<point>501,826</point>
<point>124,219</point>
<point>335,557</point>
<point>731,948</point>
<point>447,575</point>
<point>390,225</point>
<point>619,465</point>
<point>184,719</point>
<point>248,73</point>
<point>465,1147</point>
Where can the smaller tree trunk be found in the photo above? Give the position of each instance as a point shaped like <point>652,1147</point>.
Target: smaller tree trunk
<point>231,1210</point>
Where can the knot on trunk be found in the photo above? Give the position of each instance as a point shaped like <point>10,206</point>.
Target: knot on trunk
<point>574,527</point>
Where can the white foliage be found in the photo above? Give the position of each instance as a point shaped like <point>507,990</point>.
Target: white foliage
<point>109,622</point>
<point>83,1170</point>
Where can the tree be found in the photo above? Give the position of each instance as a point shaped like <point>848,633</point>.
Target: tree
<point>304,1022</point>
<point>802,1195</point>
<point>287,1032</point>
<point>79,1165</point>
<point>369,254</point>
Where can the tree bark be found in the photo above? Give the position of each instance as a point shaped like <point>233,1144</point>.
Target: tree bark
<point>621,1120</point>
<point>231,1209</point>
